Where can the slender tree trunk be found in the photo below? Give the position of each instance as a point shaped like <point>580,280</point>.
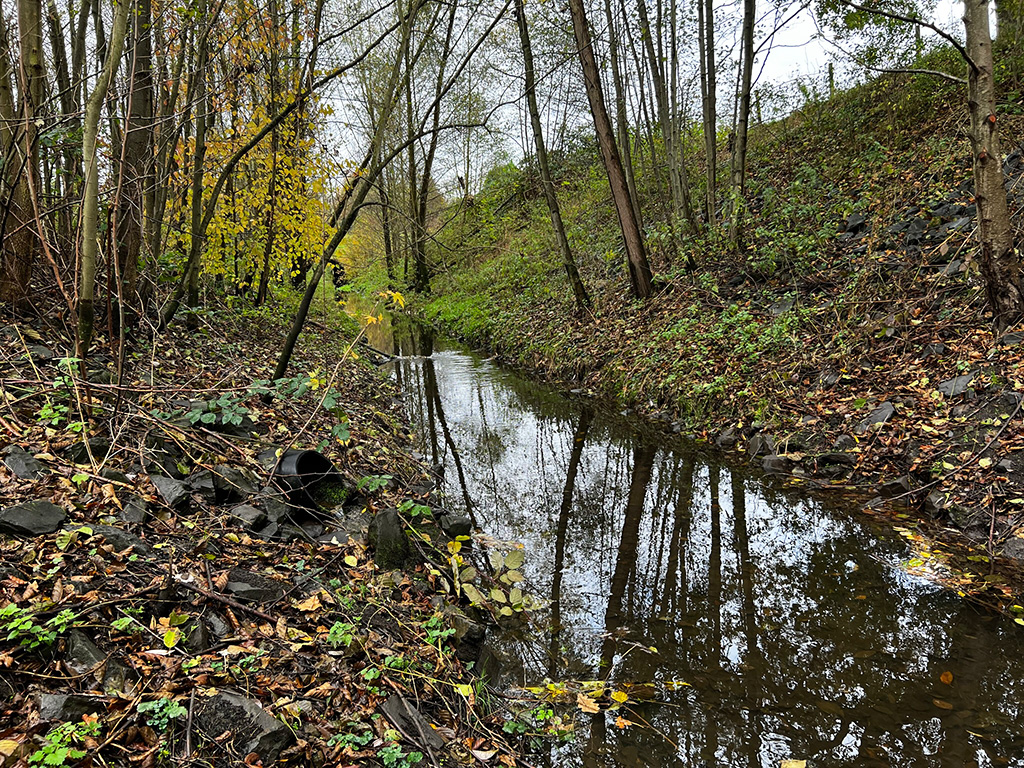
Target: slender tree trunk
<point>578,290</point>
<point>90,200</point>
<point>138,154</point>
<point>275,75</point>
<point>738,203</point>
<point>21,244</point>
<point>199,105</point>
<point>999,263</point>
<point>706,45</point>
<point>621,122</point>
<point>639,269</point>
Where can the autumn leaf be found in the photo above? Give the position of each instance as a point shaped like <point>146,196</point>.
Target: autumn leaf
<point>587,704</point>
<point>946,677</point>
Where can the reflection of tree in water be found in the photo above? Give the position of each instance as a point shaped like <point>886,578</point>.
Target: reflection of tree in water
<point>750,594</point>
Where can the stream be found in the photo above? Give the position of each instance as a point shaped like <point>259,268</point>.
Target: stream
<point>764,625</point>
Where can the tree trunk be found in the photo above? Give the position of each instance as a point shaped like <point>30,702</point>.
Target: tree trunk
<point>138,153</point>
<point>737,205</point>
<point>21,244</point>
<point>999,264</point>
<point>200,106</point>
<point>578,290</point>
<point>706,44</point>
<point>90,199</point>
<point>639,269</point>
<point>621,122</point>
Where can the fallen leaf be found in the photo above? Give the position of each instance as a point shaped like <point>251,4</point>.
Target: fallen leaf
<point>587,704</point>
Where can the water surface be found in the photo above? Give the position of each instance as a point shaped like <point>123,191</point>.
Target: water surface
<point>769,626</point>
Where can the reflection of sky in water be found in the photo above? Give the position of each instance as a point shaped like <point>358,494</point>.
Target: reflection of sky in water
<point>819,650</point>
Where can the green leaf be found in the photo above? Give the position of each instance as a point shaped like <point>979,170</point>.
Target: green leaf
<point>515,559</point>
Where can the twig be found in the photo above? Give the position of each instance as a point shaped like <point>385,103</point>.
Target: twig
<point>225,600</point>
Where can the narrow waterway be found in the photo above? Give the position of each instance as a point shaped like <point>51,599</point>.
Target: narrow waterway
<point>765,625</point>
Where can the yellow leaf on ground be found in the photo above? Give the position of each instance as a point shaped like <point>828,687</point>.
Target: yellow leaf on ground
<point>793,764</point>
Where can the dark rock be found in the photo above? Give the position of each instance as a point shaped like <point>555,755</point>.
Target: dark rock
<point>1014,547</point>
<point>274,504</point>
<point>781,307</point>
<point>949,210</point>
<point>23,464</point>
<point>77,453</point>
<point>86,660</point>
<point>893,488</point>
<point>175,493</point>
<point>121,539</point>
<point>727,439</point>
<point>408,720</point>
<point>387,535</point>
<point>69,708</point>
<point>898,227</point>
<point>776,465</point>
<point>935,504</point>
<point>252,728</point>
<point>232,484</point>
<point>456,525</point>
<point>246,585</point>
<point>217,625</point>
<point>269,532</point>
<point>855,222</point>
<point>252,517</point>
<point>1014,339</point>
<point>880,415</point>
<point>32,518</point>
<point>114,476</point>
<point>198,640</point>
<point>917,227</point>
<point>134,510</point>
<point>202,482</point>
<point>957,385</point>
<point>952,268</point>
<point>844,443</point>
<point>83,656</point>
<point>960,224</point>
<point>40,353</point>
<point>760,444</point>
<point>934,350</point>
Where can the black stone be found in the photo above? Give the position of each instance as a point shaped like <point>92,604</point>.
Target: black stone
<point>255,587</point>
<point>897,487</point>
<point>855,222</point>
<point>252,728</point>
<point>252,517</point>
<point>77,453</point>
<point>728,438</point>
<point>121,539</point>
<point>387,535</point>
<point>760,444</point>
<point>957,385</point>
<point>844,443</point>
<point>134,510</point>
<point>23,464</point>
<point>456,525</point>
<point>32,518</point>
<point>175,493</point>
<point>880,415</point>
<point>232,484</point>
<point>935,350</point>
<point>70,707</point>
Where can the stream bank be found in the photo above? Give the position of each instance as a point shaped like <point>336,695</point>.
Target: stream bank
<point>169,589</point>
